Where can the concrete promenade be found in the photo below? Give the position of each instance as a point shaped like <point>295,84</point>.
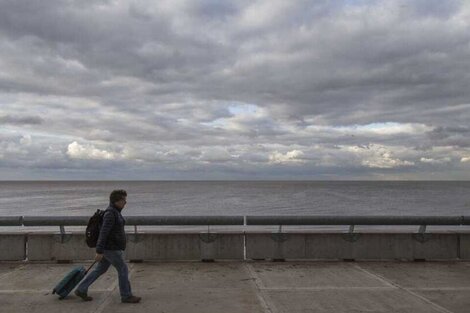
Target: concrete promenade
<point>250,286</point>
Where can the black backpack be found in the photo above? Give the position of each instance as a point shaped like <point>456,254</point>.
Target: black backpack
<point>93,228</point>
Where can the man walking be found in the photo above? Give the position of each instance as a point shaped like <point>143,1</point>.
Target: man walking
<point>109,250</point>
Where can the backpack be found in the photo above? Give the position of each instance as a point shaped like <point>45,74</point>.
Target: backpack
<point>93,228</point>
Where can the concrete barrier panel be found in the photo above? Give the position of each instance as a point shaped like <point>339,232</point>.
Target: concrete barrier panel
<point>465,246</point>
<point>357,246</point>
<point>163,247</point>
<point>42,247</point>
<point>437,246</point>
<point>146,246</point>
<point>184,246</point>
<point>383,246</point>
<point>219,246</point>
<point>49,247</point>
<point>13,247</point>
<point>329,246</point>
<point>275,246</point>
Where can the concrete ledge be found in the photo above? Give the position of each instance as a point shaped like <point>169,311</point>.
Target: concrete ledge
<point>258,245</point>
<point>465,246</point>
<point>160,246</point>
<point>437,247</point>
<point>356,246</point>
<point>275,246</point>
<point>222,246</point>
<point>13,247</point>
<point>186,246</point>
<point>54,247</point>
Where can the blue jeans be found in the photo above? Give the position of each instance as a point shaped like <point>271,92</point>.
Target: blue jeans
<point>116,258</point>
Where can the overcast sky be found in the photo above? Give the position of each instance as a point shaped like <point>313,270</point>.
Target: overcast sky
<point>235,90</point>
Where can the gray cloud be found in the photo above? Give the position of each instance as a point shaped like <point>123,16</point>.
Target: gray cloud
<point>458,136</point>
<point>20,120</point>
<point>325,89</point>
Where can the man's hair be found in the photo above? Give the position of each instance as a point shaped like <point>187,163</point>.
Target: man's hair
<point>117,195</point>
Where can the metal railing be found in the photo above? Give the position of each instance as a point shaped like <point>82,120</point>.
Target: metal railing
<point>280,220</point>
<point>353,220</point>
<point>135,221</point>
<point>243,220</point>
<point>357,220</point>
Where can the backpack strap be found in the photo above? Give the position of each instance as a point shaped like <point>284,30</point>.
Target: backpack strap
<point>114,213</point>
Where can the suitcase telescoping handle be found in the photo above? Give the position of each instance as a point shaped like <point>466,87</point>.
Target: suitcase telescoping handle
<point>90,267</point>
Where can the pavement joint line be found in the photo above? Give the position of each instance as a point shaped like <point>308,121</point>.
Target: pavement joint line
<point>377,277</point>
<point>113,285</point>
<point>12,271</point>
<point>440,288</point>
<point>8,291</point>
<point>325,288</point>
<point>107,299</point>
<point>262,296</point>
<point>434,305</point>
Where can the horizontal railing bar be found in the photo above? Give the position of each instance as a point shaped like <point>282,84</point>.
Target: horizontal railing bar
<point>55,220</point>
<point>135,220</point>
<point>466,220</point>
<point>11,220</point>
<point>239,220</point>
<point>184,220</point>
<point>356,220</point>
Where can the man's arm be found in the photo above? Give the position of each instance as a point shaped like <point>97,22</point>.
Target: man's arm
<point>108,223</point>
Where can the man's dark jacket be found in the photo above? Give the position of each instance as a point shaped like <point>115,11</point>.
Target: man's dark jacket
<point>112,235</point>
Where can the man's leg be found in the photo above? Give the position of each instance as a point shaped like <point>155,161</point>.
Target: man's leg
<point>99,270</point>
<point>116,258</point>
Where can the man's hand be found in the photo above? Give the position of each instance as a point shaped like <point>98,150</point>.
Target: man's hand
<point>98,257</point>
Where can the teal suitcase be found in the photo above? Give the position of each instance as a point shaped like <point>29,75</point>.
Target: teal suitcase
<point>68,283</point>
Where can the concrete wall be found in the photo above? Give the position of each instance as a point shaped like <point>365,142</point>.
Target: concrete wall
<point>465,246</point>
<point>185,246</point>
<point>161,246</point>
<point>12,247</point>
<point>258,245</point>
<point>54,247</point>
<point>357,246</point>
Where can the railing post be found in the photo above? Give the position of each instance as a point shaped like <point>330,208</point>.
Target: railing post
<point>63,237</point>
<point>421,236</point>
<point>351,236</point>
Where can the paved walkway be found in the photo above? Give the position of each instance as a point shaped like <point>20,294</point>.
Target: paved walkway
<point>226,287</point>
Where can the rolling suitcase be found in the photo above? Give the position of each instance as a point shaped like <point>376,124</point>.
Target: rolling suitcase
<point>68,283</point>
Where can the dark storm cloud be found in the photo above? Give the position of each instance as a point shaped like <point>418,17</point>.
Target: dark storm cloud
<point>451,136</point>
<point>334,88</point>
<point>20,120</point>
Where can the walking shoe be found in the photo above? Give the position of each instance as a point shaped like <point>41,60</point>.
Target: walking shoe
<point>131,299</point>
<point>83,295</point>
